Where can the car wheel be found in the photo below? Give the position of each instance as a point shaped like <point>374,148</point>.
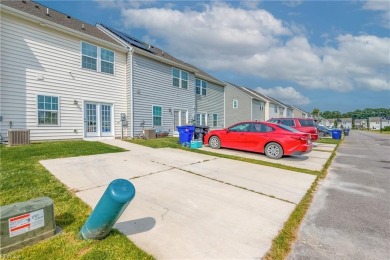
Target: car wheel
<point>214,142</point>
<point>274,150</point>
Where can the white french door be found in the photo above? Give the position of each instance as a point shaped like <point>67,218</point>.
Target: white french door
<point>180,117</point>
<point>98,119</point>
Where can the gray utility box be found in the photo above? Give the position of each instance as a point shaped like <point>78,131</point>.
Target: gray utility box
<point>26,223</point>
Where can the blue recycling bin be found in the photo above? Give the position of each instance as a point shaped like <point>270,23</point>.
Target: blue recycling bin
<point>185,133</point>
<point>336,133</point>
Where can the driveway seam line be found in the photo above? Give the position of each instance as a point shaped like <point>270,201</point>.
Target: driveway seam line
<point>236,186</point>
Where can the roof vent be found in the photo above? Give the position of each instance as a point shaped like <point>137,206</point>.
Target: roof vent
<point>47,12</point>
<point>82,26</point>
<point>68,16</point>
<point>24,1</point>
<point>37,6</point>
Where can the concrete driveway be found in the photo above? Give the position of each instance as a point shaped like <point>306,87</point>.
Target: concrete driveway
<point>189,205</point>
<point>315,160</point>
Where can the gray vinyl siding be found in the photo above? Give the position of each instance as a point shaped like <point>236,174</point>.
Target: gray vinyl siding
<point>152,86</point>
<point>29,51</point>
<point>212,103</point>
<point>257,112</point>
<point>243,112</point>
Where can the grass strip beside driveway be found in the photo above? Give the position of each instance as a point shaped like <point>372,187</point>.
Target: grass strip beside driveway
<point>23,178</point>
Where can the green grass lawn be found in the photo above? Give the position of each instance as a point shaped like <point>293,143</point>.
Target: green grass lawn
<point>329,141</point>
<point>23,178</point>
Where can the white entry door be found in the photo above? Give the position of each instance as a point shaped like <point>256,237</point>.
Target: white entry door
<point>98,119</point>
<point>180,118</point>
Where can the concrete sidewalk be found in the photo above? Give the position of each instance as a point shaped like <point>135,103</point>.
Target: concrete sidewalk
<point>189,205</point>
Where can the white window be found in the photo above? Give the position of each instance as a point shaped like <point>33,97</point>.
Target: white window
<point>215,120</point>
<point>47,110</point>
<point>157,116</point>
<point>201,119</point>
<point>235,103</point>
<point>97,58</point>
<point>179,78</point>
<point>201,87</point>
<point>276,109</point>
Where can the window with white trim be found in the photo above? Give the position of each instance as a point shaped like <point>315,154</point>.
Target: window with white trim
<point>47,110</point>
<point>157,116</point>
<point>96,58</point>
<point>201,87</point>
<point>235,103</point>
<point>179,78</point>
<point>215,120</point>
<point>201,119</point>
<point>276,109</point>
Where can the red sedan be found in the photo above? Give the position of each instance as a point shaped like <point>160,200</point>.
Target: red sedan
<point>273,140</point>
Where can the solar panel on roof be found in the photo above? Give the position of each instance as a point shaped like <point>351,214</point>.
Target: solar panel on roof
<point>131,40</point>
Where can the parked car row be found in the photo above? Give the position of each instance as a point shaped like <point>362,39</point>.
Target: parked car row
<point>272,139</point>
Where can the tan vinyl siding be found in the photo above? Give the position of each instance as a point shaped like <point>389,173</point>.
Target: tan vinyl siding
<point>30,51</point>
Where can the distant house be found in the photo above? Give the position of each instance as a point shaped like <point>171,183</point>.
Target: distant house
<point>375,123</point>
<point>346,123</point>
<point>360,123</point>
<point>60,77</point>
<point>241,105</point>
<point>299,113</point>
<point>165,92</point>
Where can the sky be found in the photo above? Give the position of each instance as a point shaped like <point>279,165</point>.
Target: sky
<point>330,55</point>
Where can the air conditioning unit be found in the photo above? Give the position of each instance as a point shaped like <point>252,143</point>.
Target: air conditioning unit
<point>18,136</point>
<point>150,133</point>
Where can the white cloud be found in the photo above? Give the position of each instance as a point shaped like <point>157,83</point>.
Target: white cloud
<point>382,6</point>
<point>287,95</point>
<point>377,5</point>
<point>255,43</point>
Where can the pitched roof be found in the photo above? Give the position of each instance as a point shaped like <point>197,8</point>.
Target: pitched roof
<point>244,91</point>
<point>45,13</point>
<point>138,44</point>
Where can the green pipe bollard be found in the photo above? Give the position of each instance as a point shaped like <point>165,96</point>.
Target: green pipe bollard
<point>108,210</point>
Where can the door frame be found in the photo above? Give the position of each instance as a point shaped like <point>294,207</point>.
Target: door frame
<point>99,132</point>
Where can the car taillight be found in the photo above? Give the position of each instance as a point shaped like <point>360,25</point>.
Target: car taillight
<point>303,138</point>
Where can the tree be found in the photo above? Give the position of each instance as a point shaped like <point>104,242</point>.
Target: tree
<point>316,114</point>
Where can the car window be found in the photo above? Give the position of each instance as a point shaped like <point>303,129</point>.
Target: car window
<point>245,127</point>
<point>261,128</point>
<point>288,122</point>
<point>288,128</point>
<point>306,122</point>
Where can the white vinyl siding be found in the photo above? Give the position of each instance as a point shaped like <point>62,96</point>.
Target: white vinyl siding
<point>37,60</point>
<point>97,58</point>
<point>152,85</point>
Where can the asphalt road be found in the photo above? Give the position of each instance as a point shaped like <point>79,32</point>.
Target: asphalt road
<point>350,213</point>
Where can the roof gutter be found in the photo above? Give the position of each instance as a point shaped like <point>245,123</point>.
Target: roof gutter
<point>58,27</point>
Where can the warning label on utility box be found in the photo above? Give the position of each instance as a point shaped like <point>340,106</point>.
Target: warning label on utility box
<point>24,223</point>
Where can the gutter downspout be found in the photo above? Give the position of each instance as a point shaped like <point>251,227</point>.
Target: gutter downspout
<point>131,94</point>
